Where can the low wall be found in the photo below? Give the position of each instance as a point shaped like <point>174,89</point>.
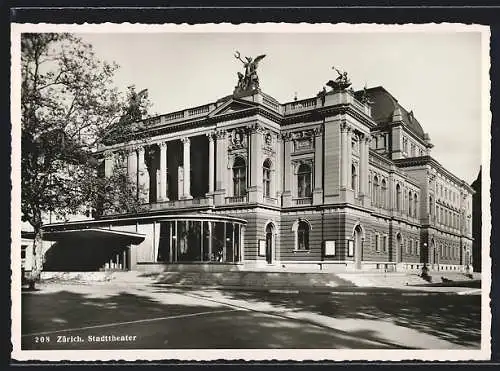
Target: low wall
<point>76,276</point>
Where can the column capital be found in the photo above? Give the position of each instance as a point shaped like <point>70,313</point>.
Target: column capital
<point>131,149</point>
<point>255,128</point>
<point>140,149</point>
<point>108,154</point>
<point>220,134</point>
<point>186,140</point>
<point>318,131</point>
<point>344,126</point>
<point>210,136</point>
<point>162,144</point>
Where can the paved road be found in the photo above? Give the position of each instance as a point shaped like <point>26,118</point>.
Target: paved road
<point>110,316</point>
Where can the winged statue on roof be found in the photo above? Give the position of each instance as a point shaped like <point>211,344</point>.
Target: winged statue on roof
<point>341,83</point>
<point>250,80</point>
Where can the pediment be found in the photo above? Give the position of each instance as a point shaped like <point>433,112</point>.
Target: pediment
<point>231,106</point>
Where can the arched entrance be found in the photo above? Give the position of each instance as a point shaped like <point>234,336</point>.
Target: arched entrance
<point>358,246</point>
<point>399,248</point>
<point>269,242</point>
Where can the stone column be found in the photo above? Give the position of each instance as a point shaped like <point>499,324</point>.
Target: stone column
<point>220,167</point>
<point>287,167</point>
<point>163,172</point>
<point>318,168</point>
<point>255,189</point>
<point>109,163</point>
<point>143,178</point>
<point>187,167</point>
<point>132,167</point>
<point>211,153</point>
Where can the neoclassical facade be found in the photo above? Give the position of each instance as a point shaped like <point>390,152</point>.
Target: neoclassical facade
<point>341,181</point>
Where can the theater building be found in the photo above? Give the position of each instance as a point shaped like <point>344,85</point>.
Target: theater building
<point>344,180</point>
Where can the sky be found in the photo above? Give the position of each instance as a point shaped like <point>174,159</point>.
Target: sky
<point>435,74</point>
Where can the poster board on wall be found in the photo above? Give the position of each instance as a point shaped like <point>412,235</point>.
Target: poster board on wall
<point>262,247</point>
<point>329,248</point>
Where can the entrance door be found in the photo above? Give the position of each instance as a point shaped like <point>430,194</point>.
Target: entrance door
<point>358,247</point>
<point>399,248</point>
<point>269,243</point>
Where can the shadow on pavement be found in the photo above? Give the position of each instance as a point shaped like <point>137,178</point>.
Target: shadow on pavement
<point>454,318</point>
<point>72,313</point>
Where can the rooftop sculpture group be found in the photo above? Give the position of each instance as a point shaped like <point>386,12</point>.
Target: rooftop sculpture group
<point>341,83</point>
<point>249,81</point>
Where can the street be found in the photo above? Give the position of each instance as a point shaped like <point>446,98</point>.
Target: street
<point>114,316</point>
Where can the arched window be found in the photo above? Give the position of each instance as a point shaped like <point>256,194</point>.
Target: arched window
<point>354,179</point>
<point>398,197</point>
<point>410,203</point>
<point>383,194</point>
<point>304,181</point>
<point>266,178</point>
<point>415,206</point>
<point>375,191</point>
<point>239,177</point>
<point>302,236</point>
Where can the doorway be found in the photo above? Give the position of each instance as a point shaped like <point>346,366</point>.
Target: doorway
<point>358,246</point>
<point>399,248</point>
<point>269,242</point>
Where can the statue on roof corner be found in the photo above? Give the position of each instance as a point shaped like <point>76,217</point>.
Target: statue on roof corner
<point>250,80</point>
<point>341,83</point>
<point>365,97</point>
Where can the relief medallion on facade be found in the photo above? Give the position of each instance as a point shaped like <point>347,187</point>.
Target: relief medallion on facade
<point>238,139</point>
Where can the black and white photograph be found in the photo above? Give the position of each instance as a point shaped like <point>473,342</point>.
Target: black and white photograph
<point>255,192</point>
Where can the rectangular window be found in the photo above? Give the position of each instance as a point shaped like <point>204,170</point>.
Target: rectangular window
<point>417,248</point>
<point>384,243</point>
<point>304,181</point>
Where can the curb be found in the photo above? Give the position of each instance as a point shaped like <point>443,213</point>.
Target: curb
<point>348,291</point>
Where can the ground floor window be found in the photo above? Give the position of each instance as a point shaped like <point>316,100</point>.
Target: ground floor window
<point>301,229</point>
<point>199,241</point>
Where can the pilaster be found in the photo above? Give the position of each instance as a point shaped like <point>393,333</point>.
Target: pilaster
<point>287,166</point>
<point>318,167</point>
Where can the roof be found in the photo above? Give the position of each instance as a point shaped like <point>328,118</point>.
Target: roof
<point>385,107</point>
<point>94,233</point>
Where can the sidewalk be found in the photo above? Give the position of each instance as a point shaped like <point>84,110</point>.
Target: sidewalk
<point>278,283</point>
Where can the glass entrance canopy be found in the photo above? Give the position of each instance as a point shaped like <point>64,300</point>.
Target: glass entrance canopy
<point>214,239</point>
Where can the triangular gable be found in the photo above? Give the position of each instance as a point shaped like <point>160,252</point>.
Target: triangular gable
<point>232,105</point>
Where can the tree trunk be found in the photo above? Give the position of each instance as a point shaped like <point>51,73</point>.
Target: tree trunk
<point>37,265</point>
